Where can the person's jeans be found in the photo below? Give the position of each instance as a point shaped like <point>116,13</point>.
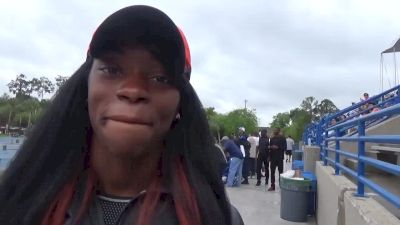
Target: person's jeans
<point>235,170</point>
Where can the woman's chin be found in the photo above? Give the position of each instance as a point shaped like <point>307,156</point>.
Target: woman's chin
<point>124,143</point>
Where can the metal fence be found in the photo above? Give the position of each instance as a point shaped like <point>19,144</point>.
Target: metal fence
<point>352,129</point>
<point>361,138</point>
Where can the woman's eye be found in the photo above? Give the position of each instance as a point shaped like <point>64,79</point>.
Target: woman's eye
<point>161,79</point>
<point>111,70</point>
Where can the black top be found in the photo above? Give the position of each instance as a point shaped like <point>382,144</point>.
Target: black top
<point>263,146</point>
<point>165,213</point>
<point>112,208</point>
<point>280,141</point>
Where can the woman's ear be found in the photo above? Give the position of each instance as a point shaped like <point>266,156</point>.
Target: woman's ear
<point>176,120</point>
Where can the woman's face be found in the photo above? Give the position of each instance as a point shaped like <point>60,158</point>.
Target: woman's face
<point>131,101</point>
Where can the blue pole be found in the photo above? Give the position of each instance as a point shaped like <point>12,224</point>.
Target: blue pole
<point>319,138</point>
<point>326,146</point>
<point>361,165</point>
<point>337,155</point>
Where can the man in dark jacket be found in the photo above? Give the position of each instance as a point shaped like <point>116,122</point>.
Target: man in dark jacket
<point>262,157</point>
<point>235,164</point>
<point>277,148</point>
<point>243,143</point>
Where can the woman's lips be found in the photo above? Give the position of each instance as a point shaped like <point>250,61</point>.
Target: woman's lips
<point>129,119</point>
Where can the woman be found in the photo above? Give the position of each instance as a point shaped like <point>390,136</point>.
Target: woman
<point>125,140</point>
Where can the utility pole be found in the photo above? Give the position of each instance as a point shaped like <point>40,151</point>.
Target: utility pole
<point>245,104</point>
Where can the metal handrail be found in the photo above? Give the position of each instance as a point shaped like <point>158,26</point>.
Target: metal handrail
<point>359,104</point>
<point>362,159</point>
<point>323,138</point>
<point>324,123</point>
<point>384,112</point>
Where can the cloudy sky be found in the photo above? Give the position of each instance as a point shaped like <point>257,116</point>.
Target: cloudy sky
<point>272,53</point>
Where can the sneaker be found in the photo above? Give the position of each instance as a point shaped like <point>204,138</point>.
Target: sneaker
<point>258,183</point>
<point>245,182</point>
<point>272,188</point>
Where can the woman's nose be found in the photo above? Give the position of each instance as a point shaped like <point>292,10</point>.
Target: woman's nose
<point>134,89</point>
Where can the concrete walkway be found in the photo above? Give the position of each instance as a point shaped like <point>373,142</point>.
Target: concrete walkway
<point>258,206</point>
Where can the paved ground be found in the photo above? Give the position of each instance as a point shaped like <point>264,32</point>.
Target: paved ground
<point>258,206</point>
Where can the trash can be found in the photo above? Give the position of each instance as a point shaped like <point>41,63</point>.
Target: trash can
<point>298,165</point>
<point>295,197</point>
<point>297,155</point>
<point>312,194</point>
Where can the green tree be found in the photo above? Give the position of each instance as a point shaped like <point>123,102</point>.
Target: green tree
<point>8,110</point>
<point>20,86</point>
<point>60,81</point>
<point>4,99</point>
<point>325,107</point>
<point>310,104</point>
<point>281,120</point>
<point>20,111</point>
<point>294,121</point>
<point>215,122</point>
<point>23,109</point>
<point>42,86</point>
<point>227,124</point>
<point>210,112</point>
<point>240,118</point>
<point>5,113</point>
<point>299,120</point>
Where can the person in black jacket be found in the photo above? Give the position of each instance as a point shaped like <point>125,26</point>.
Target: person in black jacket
<point>277,148</point>
<point>262,157</point>
<point>243,143</point>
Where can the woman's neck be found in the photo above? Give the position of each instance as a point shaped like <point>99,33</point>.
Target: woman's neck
<point>124,176</point>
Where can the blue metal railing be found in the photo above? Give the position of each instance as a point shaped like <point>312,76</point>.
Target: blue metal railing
<point>382,100</point>
<point>362,138</point>
<point>378,100</point>
<point>324,133</point>
<point>310,134</point>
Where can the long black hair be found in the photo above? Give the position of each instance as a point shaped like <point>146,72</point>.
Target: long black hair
<point>57,148</point>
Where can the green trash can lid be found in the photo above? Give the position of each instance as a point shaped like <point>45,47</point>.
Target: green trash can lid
<point>296,184</point>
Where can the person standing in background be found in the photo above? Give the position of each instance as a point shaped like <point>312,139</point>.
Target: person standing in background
<point>262,157</point>
<point>235,163</point>
<point>253,140</point>
<point>289,148</point>
<point>244,146</point>
<point>277,150</point>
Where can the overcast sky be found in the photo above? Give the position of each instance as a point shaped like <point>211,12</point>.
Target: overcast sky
<point>272,53</point>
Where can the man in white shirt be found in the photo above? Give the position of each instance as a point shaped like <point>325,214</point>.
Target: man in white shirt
<point>253,140</point>
<point>289,148</point>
